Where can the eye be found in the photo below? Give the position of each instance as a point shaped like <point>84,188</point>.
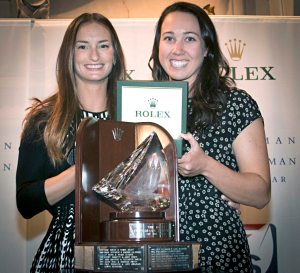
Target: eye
<point>168,38</point>
<point>190,39</point>
<point>81,46</point>
<point>104,46</point>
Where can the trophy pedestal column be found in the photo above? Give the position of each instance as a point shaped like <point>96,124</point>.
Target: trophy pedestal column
<point>138,226</point>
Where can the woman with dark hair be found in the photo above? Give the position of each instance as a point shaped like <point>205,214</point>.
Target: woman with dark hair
<point>225,149</point>
<point>89,63</point>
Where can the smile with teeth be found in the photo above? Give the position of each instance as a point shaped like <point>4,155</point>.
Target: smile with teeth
<point>94,66</point>
<point>178,64</point>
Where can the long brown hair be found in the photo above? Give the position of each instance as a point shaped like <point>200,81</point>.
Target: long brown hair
<point>57,112</point>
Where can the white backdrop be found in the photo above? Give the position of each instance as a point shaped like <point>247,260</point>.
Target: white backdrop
<point>267,65</point>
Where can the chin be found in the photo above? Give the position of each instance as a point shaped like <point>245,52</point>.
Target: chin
<point>178,78</point>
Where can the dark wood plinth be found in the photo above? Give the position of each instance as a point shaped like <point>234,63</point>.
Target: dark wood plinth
<point>137,257</point>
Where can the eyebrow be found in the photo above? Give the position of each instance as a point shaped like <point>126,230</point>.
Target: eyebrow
<point>192,32</point>
<point>185,33</point>
<point>86,42</point>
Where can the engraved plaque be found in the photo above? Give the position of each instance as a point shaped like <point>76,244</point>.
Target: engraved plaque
<point>166,257</point>
<point>155,257</point>
<point>149,230</point>
<point>120,258</point>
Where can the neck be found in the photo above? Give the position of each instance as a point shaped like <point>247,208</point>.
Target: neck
<point>92,98</point>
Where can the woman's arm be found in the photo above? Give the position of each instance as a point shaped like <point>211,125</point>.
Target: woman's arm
<point>35,192</point>
<point>59,186</point>
<point>252,184</point>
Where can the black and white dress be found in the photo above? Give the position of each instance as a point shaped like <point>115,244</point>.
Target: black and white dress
<point>204,216</point>
<point>56,251</point>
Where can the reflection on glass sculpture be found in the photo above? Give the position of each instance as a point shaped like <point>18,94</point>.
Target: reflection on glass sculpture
<point>139,183</point>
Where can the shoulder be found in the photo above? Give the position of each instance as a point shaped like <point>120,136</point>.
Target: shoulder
<point>241,109</point>
<point>239,95</point>
<point>240,100</point>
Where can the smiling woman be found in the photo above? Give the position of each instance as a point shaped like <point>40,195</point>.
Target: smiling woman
<point>225,151</point>
<point>89,63</point>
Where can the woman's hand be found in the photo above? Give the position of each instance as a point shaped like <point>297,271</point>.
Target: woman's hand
<point>232,204</point>
<point>193,162</point>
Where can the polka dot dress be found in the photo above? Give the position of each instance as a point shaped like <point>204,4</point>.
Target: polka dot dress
<point>204,216</point>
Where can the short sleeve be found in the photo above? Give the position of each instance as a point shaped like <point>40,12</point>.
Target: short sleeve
<point>242,110</point>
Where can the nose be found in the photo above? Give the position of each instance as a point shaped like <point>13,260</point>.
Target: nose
<point>178,47</point>
<point>94,54</point>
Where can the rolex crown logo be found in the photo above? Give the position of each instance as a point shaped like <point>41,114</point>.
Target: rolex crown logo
<point>152,102</point>
<point>117,134</point>
<point>235,49</point>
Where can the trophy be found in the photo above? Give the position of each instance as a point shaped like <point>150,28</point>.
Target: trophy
<point>126,203</point>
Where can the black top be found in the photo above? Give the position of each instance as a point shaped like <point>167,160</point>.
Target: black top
<point>34,167</point>
<point>56,251</point>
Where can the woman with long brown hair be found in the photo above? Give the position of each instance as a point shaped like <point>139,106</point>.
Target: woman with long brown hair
<point>89,63</point>
<point>225,149</point>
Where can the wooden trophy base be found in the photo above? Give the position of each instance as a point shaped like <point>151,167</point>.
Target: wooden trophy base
<point>137,257</point>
